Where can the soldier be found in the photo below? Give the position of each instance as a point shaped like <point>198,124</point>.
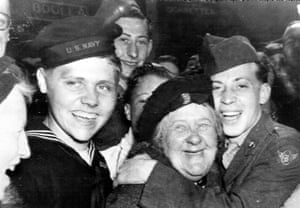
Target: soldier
<point>259,161</point>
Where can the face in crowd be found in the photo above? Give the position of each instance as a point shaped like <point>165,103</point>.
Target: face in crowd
<point>143,90</point>
<point>190,139</point>
<point>291,50</point>
<point>238,96</point>
<point>4,25</point>
<point>82,96</point>
<point>13,140</point>
<point>193,63</point>
<point>291,44</point>
<point>134,45</point>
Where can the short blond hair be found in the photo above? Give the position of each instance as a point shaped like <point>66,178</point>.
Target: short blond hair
<point>23,84</point>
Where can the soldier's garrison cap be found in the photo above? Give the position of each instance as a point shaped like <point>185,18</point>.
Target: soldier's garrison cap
<point>224,53</point>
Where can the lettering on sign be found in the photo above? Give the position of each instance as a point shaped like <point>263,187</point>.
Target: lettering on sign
<point>191,10</point>
<point>49,11</point>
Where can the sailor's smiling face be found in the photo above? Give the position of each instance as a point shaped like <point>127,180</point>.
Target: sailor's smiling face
<point>81,94</point>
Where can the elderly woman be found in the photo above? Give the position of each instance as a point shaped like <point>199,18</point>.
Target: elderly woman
<point>183,129</point>
<point>15,90</point>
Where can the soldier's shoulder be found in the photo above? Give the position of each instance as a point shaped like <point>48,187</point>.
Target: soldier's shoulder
<point>284,131</point>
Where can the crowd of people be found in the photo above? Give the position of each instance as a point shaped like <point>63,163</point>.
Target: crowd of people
<point>121,130</point>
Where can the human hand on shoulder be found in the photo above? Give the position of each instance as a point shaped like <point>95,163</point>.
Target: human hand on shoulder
<point>136,170</point>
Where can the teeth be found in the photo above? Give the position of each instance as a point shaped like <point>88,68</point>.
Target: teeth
<point>194,152</point>
<point>230,114</point>
<point>130,63</point>
<point>85,115</point>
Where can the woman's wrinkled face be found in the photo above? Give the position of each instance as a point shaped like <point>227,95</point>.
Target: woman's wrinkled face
<point>4,34</point>
<point>191,140</point>
<point>13,140</point>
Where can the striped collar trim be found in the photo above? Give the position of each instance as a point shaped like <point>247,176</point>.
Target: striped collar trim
<point>49,135</point>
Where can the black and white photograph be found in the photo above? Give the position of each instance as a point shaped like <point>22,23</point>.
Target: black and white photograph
<point>149,104</point>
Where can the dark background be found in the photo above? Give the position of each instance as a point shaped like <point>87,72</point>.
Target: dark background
<point>179,25</point>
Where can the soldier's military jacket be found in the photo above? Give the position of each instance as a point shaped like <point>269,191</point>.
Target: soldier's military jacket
<point>263,173</point>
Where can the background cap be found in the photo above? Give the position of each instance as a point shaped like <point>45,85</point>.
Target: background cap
<point>292,30</point>
<point>111,10</point>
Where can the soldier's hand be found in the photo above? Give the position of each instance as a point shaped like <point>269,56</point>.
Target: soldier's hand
<point>136,170</point>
